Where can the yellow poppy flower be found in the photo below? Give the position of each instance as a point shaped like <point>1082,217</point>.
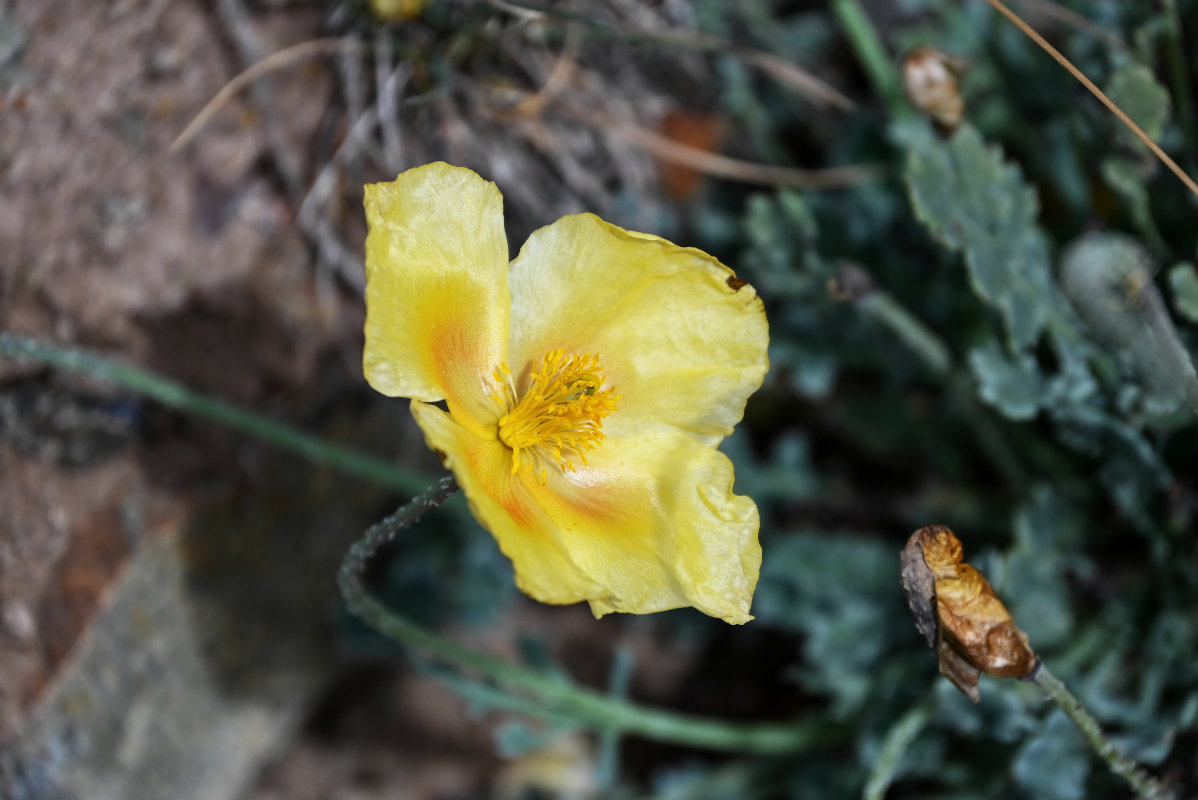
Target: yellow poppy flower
<point>587,384</point>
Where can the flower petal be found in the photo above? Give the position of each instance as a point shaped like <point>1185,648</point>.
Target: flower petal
<point>681,339</point>
<point>502,505</point>
<point>653,520</point>
<point>436,287</point>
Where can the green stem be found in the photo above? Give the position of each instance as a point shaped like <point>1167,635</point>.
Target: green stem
<point>898,739</point>
<point>878,65</point>
<point>603,712</point>
<point>175,395</point>
<point>1145,787</point>
<point>909,329</point>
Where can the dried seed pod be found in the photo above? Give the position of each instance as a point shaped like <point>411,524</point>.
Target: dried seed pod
<point>930,80</point>
<point>959,614</point>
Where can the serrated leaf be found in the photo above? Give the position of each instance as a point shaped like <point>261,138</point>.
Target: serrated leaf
<point>1034,582</point>
<point>1073,383</point>
<point>1132,470</point>
<point>1012,385</point>
<point>1135,89</point>
<point>1127,180</point>
<point>975,202</point>
<point>1183,282</point>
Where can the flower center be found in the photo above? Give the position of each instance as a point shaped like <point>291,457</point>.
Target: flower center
<point>559,415</point>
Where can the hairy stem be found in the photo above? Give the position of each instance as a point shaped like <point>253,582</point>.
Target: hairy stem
<point>605,713</point>
<point>898,739</point>
<point>1146,787</point>
<point>909,329</point>
<point>177,396</point>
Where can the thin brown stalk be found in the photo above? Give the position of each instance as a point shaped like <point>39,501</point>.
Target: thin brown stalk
<point>559,75</point>
<point>725,167</point>
<point>277,60</point>
<point>789,75</point>
<point>1089,84</point>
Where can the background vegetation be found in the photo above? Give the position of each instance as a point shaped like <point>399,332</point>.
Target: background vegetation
<point>989,328</point>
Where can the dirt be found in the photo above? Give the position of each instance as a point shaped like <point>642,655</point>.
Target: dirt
<point>192,264</point>
<point>188,263</point>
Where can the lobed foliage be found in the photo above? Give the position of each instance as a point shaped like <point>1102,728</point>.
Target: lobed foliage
<point>1020,371</point>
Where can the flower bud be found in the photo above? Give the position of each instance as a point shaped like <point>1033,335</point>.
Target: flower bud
<point>930,80</point>
<point>959,614</point>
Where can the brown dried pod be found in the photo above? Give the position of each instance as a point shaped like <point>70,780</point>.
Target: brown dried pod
<point>930,80</point>
<point>959,614</point>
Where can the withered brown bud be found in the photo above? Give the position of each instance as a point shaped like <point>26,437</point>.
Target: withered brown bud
<point>930,80</point>
<point>959,614</point>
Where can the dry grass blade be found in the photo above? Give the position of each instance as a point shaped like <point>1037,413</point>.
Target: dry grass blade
<point>559,76</point>
<point>277,60</point>
<point>1089,84</point>
<point>725,167</point>
<point>795,78</point>
<point>798,80</point>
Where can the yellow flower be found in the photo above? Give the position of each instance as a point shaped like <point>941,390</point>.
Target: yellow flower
<point>587,386</point>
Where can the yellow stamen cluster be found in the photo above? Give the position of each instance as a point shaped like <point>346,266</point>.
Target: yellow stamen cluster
<point>559,414</point>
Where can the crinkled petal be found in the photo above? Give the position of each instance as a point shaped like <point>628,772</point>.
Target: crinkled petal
<point>436,287</point>
<point>653,521</point>
<point>501,503</point>
<point>680,338</point>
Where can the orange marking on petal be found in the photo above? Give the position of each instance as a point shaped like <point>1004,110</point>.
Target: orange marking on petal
<point>450,344</point>
<point>606,503</point>
<point>517,509</point>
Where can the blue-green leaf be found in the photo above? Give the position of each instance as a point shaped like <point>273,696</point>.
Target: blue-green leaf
<point>1054,764</point>
<point>1134,89</point>
<point>975,202</point>
<point>1012,385</point>
<point>1183,281</point>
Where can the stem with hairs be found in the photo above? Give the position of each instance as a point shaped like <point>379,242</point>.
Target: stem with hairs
<point>1146,787</point>
<point>539,694</point>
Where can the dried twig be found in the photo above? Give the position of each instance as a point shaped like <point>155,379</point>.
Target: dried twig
<point>559,75</point>
<point>315,222</point>
<point>795,78</point>
<point>277,60</point>
<point>724,166</point>
<point>390,81</point>
<point>237,19</point>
